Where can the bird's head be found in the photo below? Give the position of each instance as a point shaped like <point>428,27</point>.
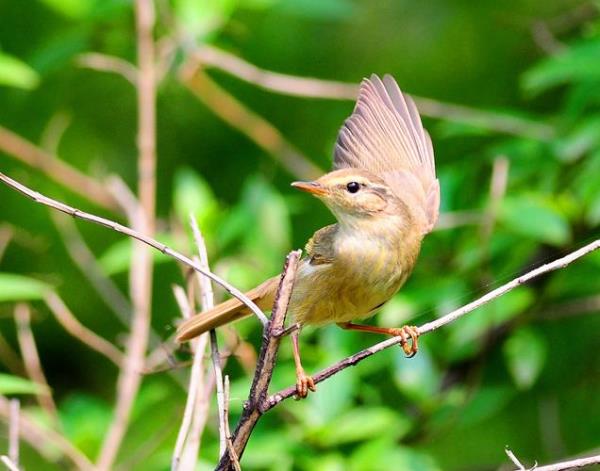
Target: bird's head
<point>351,194</point>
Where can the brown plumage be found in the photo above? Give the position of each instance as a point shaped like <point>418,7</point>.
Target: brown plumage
<point>385,196</point>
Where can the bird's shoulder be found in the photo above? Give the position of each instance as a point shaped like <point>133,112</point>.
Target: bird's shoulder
<point>320,247</point>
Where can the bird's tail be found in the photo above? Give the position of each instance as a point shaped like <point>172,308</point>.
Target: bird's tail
<point>229,311</point>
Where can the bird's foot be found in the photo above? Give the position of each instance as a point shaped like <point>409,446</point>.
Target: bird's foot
<point>408,331</point>
<point>304,383</point>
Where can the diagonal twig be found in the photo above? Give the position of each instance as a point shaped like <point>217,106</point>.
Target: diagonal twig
<point>327,89</point>
<point>255,127</point>
<point>352,360</point>
<point>115,226</point>
<point>72,325</point>
<point>564,465</point>
<point>31,359</point>
<point>56,169</point>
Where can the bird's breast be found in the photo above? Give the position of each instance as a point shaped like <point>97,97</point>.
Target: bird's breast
<point>364,274</point>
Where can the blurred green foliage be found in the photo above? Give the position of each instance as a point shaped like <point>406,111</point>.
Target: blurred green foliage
<point>522,371</point>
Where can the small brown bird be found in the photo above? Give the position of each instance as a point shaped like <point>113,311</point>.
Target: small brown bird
<point>385,196</point>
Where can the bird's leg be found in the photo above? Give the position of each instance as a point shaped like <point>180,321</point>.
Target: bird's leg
<point>303,381</point>
<point>408,331</point>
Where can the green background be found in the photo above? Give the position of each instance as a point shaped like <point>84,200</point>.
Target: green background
<point>523,371</point>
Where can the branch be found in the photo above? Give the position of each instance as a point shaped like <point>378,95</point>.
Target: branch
<point>254,407</point>
<point>72,325</point>
<point>115,226</point>
<point>208,303</point>
<point>256,128</point>
<point>112,64</point>
<point>56,169</point>
<point>39,438</point>
<point>316,88</point>
<point>352,360</point>
<point>32,362</point>
<point>13,431</point>
<point>130,376</point>
<point>193,406</point>
<point>572,464</point>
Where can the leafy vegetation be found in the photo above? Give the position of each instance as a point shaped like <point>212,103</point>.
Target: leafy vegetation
<point>521,371</point>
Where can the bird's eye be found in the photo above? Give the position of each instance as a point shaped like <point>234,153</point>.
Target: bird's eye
<point>353,187</point>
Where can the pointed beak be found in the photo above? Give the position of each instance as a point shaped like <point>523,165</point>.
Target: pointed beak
<point>311,187</point>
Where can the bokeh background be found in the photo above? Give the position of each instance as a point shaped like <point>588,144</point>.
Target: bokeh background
<point>523,371</point>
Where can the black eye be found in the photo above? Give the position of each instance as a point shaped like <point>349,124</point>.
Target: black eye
<point>353,187</point>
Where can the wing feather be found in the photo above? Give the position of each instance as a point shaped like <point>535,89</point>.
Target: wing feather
<point>385,136</point>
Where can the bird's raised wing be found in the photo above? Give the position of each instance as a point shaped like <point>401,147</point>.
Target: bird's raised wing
<point>385,136</point>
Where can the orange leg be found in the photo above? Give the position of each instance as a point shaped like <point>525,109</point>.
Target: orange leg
<point>303,381</point>
<point>408,331</point>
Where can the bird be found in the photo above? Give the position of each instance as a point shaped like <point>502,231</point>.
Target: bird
<point>385,196</point>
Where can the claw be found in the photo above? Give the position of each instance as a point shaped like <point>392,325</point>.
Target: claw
<point>304,383</point>
<point>410,349</point>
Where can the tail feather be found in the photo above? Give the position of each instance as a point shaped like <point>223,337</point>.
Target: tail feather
<point>229,311</point>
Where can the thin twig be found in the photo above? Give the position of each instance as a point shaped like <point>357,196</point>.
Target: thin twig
<point>89,267</point>
<point>208,303</point>
<point>352,360</point>
<point>9,358</point>
<point>141,265</point>
<point>111,64</point>
<point>115,226</point>
<point>317,88</point>
<point>13,431</point>
<point>10,464</point>
<point>194,391</point>
<point>255,127</point>
<point>32,362</point>
<point>232,454</point>
<point>56,169</point>
<point>256,404</point>
<point>39,438</point>
<point>6,234</point>
<point>564,465</point>
<point>70,323</point>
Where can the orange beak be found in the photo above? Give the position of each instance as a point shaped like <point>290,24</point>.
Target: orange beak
<point>311,187</point>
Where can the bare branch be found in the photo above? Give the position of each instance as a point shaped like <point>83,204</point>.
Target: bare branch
<point>232,454</point>
<point>13,431</point>
<point>141,267</point>
<point>316,88</point>
<point>10,464</point>
<point>39,198</point>
<point>193,405</point>
<point>70,323</point>
<point>39,438</point>
<point>259,130</point>
<point>111,64</point>
<point>32,362</point>
<point>352,360</point>
<point>256,404</point>
<point>571,464</point>
<point>208,303</point>
<point>56,169</point>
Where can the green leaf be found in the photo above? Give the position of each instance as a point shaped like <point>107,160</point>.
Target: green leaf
<point>201,19</point>
<point>21,288</point>
<point>381,454</point>
<point>84,419</point>
<point>576,63</point>
<point>360,424</point>
<point>525,354</point>
<point>117,258</point>
<point>73,9</point>
<point>537,218</point>
<point>16,73</point>
<point>10,384</point>
<point>582,139</point>
<point>488,401</point>
<point>193,195</point>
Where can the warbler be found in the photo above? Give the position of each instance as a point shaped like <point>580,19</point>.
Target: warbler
<point>384,193</point>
